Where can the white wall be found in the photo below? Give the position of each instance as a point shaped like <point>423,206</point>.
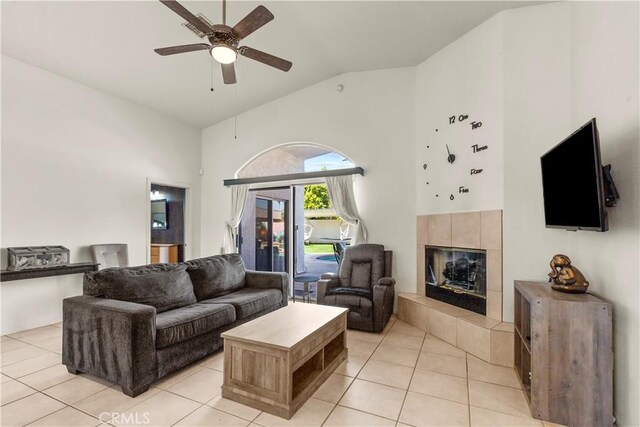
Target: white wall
<point>75,163</point>
<point>534,75</point>
<point>464,78</point>
<point>565,63</point>
<point>371,122</point>
<point>324,229</point>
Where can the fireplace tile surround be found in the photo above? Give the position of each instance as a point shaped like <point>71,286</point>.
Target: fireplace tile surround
<point>486,337</point>
<point>473,230</point>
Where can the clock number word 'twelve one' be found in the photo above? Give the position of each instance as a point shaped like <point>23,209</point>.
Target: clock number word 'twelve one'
<point>477,148</point>
<point>461,118</point>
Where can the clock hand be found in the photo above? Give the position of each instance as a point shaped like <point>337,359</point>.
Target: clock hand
<point>451,157</point>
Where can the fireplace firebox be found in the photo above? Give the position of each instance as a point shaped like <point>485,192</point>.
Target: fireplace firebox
<point>457,276</point>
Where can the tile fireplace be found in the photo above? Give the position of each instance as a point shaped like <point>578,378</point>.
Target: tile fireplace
<point>472,243</point>
<point>457,276</point>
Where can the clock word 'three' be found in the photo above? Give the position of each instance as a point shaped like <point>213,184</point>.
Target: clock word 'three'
<point>476,148</point>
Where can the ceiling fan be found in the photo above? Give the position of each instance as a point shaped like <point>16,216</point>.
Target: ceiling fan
<point>224,40</point>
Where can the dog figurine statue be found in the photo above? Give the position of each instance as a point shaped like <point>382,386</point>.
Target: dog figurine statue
<point>566,277</point>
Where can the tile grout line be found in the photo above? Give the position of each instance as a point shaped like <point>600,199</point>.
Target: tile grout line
<point>466,364</point>
<point>35,372</point>
<point>201,405</point>
<point>365,412</point>
<point>411,379</point>
<point>66,406</point>
<point>506,413</point>
<point>354,378</point>
<point>27,359</point>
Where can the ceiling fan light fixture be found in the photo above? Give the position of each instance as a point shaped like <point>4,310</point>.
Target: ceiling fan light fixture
<point>224,54</point>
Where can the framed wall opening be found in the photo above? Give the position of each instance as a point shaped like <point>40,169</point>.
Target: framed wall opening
<point>279,226</point>
<point>169,209</point>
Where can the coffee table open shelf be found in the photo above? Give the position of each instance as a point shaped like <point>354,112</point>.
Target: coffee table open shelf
<point>276,362</point>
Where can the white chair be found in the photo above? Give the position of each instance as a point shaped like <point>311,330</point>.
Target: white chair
<point>345,230</point>
<point>308,230</point>
<point>110,255</point>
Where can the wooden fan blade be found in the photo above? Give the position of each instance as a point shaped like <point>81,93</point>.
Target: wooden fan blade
<point>228,74</point>
<point>254,20</point>
<point>265,58</point>
<point>187,16</point>
<point>164,51</point>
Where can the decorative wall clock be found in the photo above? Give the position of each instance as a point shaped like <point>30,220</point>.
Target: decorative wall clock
<point>455,158</point>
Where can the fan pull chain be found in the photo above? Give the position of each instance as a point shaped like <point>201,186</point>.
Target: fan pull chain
<point>235,115</point>
<point>211,74</point>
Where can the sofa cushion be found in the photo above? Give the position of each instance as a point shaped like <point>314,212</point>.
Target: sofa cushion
<point>216,275</point>
<point>163,286</point>
<point>181,324</point>
<point>249,301</point>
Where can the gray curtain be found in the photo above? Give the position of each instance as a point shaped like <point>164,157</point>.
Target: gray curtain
<point>239,194</point>
<point>344,202</point>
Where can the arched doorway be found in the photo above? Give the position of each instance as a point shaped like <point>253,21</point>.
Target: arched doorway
<point>291,226</point>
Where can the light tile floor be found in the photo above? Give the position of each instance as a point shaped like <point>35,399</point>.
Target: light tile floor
<point>400,377</point>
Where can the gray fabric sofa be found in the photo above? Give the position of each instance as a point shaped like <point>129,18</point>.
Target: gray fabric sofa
<point>135,325</point>
<point>363,285</point>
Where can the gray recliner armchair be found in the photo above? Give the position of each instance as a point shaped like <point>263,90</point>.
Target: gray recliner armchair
<point>364,285</point>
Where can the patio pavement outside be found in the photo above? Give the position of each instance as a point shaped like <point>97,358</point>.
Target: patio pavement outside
<point>316,266</point>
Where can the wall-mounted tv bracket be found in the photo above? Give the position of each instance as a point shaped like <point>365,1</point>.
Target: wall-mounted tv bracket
<point>611,194</point>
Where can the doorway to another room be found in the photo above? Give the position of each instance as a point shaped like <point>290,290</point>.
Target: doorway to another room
<point>167,224</point>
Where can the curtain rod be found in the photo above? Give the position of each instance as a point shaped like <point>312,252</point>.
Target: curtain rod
<point>293,176</point>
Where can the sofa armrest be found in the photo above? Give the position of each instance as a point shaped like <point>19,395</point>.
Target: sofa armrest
<point>327,281</point>
<point>111,339</point>
<point>269,280</point>
<point>383,296</point>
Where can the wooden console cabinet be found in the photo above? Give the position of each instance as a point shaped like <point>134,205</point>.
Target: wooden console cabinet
<point>563,354</point>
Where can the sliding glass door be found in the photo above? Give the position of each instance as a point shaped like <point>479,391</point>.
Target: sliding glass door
<point>271,235</point>
<point>276,235</point>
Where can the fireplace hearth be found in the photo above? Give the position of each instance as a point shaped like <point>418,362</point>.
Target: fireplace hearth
<point>457,276</point>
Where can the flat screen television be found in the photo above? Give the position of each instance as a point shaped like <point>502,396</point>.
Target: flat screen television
<point>573,183</point>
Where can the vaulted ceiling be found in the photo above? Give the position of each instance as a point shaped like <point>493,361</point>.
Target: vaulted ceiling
<point>109,45</point>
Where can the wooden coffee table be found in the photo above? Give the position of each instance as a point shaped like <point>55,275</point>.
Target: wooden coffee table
<point>276,362</point>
